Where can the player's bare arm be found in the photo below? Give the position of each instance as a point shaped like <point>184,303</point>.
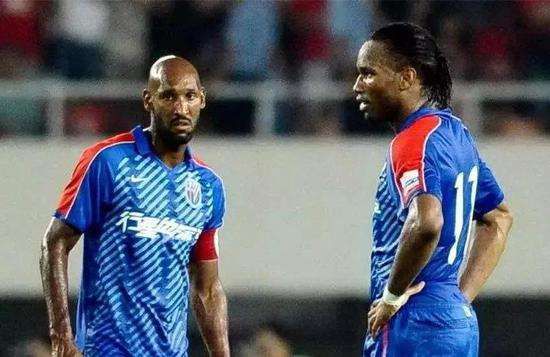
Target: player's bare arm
<point>58,241</point>
<point>491,234</point>
<point>417,243</point>
<point>210,306</point>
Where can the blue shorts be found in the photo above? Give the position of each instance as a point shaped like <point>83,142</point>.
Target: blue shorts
<point>427,330</point>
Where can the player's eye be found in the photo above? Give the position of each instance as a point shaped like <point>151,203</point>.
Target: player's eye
<point>171,96</point>
<point>366,74</point>
<point>191,95</point>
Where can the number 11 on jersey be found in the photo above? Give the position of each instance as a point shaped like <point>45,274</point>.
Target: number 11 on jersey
<point>459,210</point>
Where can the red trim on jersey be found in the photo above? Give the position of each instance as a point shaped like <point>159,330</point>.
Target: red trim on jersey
<point>385,340</point>
<point>407,153</point>
<point>88,155</point>
<point>199,161</point>
<point>206,246</point>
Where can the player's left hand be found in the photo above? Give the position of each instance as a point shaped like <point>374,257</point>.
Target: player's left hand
<point>380,312</point>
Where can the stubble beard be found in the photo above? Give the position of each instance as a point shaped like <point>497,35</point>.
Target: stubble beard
<point>169,138</point>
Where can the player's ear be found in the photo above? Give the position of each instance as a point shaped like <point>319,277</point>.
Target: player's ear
<point>203,97</point>
<point>407,77</point>
<point>147,103</point>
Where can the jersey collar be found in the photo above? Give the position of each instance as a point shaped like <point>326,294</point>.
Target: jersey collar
<point>144,146</point>
<point>420,113</point>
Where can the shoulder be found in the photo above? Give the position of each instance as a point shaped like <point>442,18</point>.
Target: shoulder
<point>207,172</point>
<point>410,144</point>
<point>104,148</point>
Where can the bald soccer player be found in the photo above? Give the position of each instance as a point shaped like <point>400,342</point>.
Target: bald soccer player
<point>150,213</point>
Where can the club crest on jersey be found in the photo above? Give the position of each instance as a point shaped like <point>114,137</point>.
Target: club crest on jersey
<point>192,192</point>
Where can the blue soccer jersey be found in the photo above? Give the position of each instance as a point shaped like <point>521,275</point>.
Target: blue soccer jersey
<point>142,222</point>
<point>432,153</point>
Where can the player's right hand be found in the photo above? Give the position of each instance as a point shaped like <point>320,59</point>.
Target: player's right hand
<point>64,348</point>
<point>380,312</point>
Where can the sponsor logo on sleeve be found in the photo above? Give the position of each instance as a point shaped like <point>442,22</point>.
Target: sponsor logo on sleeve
<point>410,180</point>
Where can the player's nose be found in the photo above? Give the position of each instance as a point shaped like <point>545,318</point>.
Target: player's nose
<point>182,107</point>
<point>357,87</point>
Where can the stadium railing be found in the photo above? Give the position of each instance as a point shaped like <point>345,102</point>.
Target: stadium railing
<point>55,93</point>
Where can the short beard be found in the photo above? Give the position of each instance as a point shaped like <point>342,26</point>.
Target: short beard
<point>170,139</point>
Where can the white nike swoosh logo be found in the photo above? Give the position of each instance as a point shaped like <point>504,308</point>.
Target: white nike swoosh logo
<point>135,179</point>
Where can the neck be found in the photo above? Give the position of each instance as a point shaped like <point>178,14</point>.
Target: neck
<point>407,108</point>
<point>171,155</point>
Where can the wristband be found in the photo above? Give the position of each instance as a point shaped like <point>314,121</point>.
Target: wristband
<point>392,299</point>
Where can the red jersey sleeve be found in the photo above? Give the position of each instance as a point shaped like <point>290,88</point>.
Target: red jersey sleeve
<point>206,247</point>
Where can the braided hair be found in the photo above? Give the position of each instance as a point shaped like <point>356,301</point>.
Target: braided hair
<point>414,46</point>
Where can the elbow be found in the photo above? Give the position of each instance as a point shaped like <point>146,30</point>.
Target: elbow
<point>49,243</point>
<point>430,228</point>
<point>208,298</point>
<point>508,219</point>
<point>431,234</point>
<point>45,252</point>
<point>498,224</point>
<point>207,291</point>
<point>504,220</point>
<point>42,261</point>
<point>216,291</point>
<point>427,218</point>
<point>45,248</point>
<point>53,246</point>
<point>505,224</point>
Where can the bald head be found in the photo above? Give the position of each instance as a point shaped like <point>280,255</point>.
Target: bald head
<point>174,99</point>
<point>168,69</point>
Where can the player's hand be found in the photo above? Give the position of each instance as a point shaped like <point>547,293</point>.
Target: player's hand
<point>380,312</point>
<point>468,296</point>
<point>62,347</point>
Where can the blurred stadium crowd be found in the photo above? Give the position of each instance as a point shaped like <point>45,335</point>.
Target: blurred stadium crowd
<point>294,41</point>
<point>62,44</point>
